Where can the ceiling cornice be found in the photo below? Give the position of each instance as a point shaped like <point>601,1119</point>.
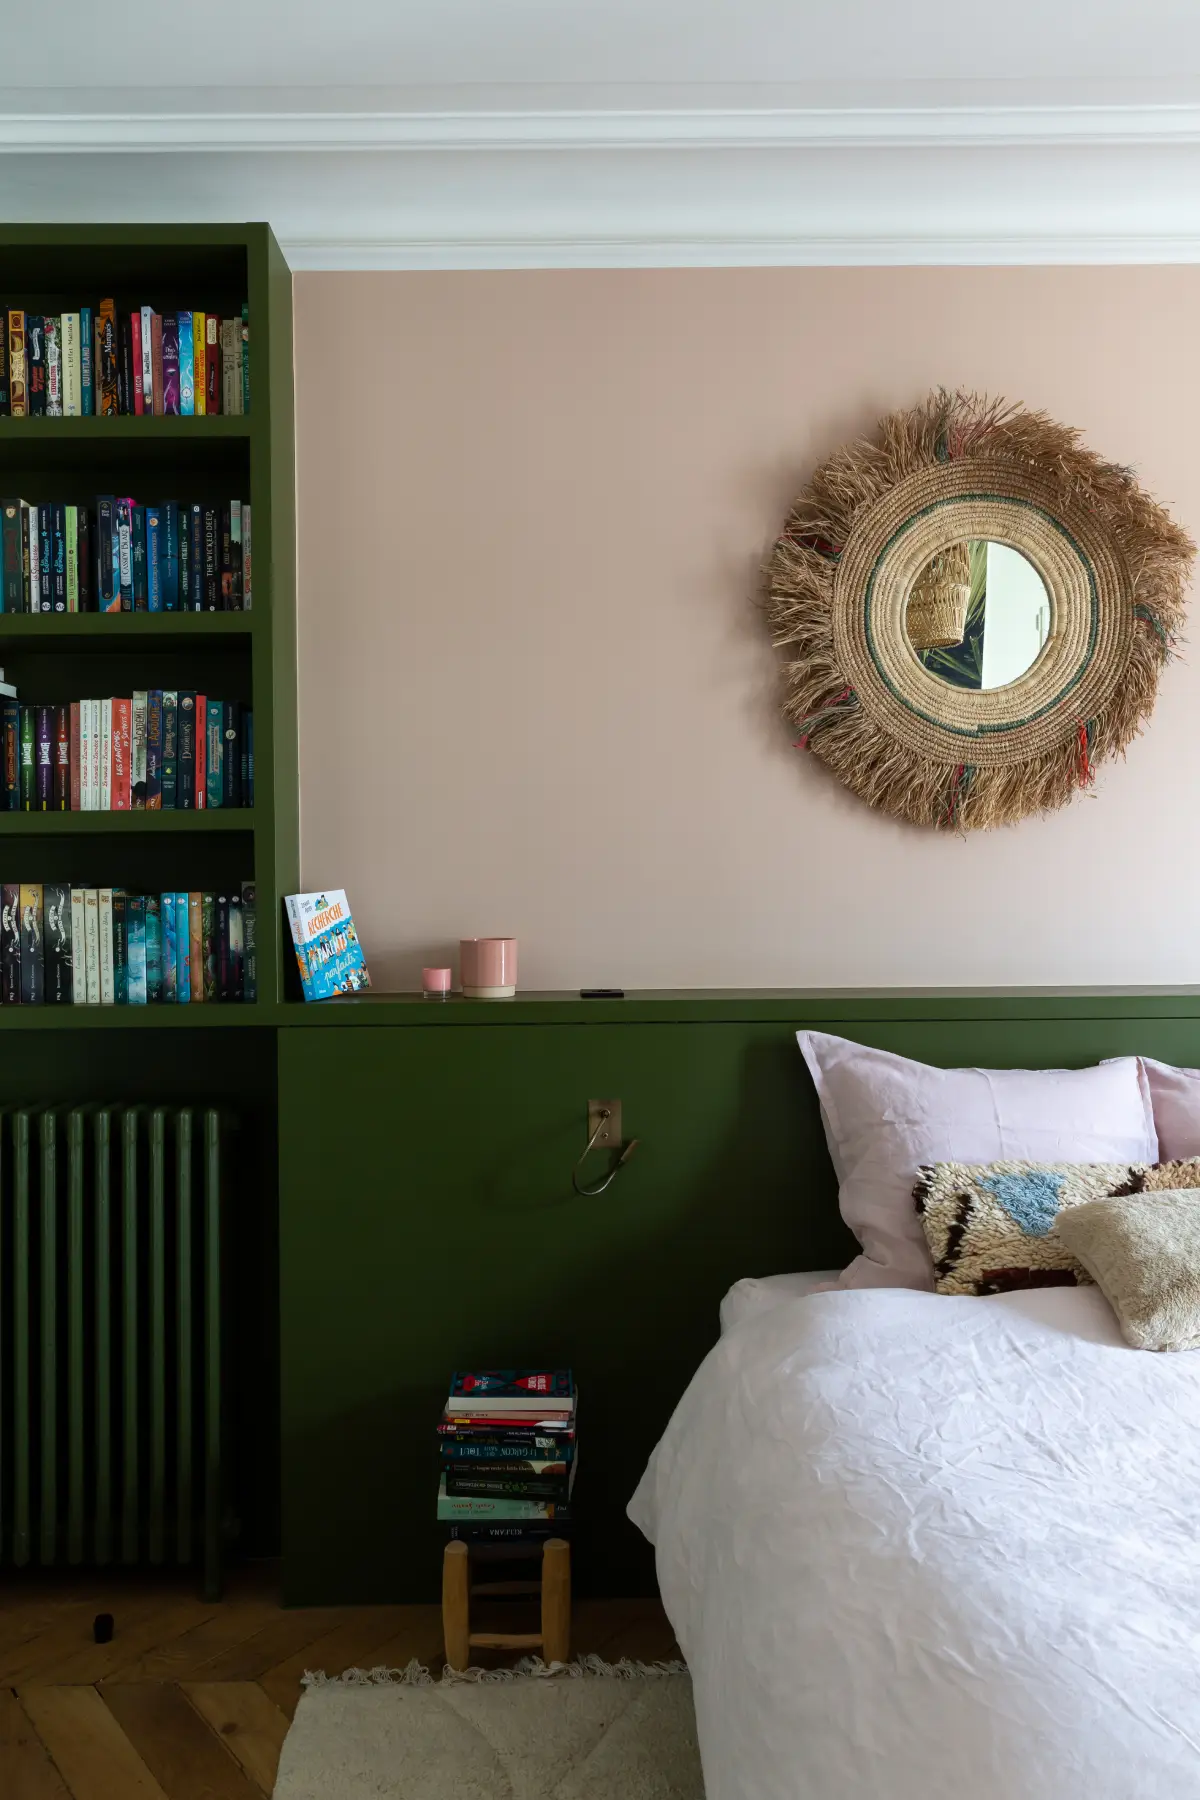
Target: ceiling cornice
<point>275,132</point>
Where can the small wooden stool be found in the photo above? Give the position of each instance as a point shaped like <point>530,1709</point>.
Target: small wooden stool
<point>554,1639</point>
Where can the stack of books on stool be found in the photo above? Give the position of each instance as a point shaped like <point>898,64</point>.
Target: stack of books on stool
<point>507,1449</point>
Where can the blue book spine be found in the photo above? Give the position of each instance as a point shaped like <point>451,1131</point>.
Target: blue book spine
<point>154,954</point>
<point>124,552</point>
<point>154,593</point>
<point>170,584</point>
<point>187,378</point>
<point>183,951</point>
<point>87,378</point>
<point>169,948</point>
<point>154,743</point>
<point>195,597</point>
<point>231,757</point>
<point>135,931</point>
<point>141,599</point>
<point>214,746</point>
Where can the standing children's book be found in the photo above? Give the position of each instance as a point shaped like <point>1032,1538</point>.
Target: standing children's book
<point>328,952</point>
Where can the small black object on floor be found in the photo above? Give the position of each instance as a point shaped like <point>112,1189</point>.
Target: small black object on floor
<point>102,1628</point>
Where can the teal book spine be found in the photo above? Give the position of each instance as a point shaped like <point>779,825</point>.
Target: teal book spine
<point>214,752</point>
<point>169,950</point>
<point>187,367</point>
<point>135,935</point>
<point>87,371</point>
<point>154,950</point>
<point>183,952</point>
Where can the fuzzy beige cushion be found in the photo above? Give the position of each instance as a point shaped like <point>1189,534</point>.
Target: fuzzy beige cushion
<point>1143,1251</point>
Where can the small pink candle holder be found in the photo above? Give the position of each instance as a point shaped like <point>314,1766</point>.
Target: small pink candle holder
<point>435,984</point>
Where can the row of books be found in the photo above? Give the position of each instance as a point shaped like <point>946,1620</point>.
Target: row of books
<point>99,361</point>
<point>69,946</point>
<point>121,555</point>
<point>328,952</point>
<point>507,1452</point>
<point>156,750</point>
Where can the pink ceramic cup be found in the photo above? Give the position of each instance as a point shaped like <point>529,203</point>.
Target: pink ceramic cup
<point>488,968</point>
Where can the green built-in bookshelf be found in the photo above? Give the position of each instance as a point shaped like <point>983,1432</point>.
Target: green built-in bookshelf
<point>56,657</point>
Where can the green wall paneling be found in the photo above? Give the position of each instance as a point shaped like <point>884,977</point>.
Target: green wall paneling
<point>428,1222</point>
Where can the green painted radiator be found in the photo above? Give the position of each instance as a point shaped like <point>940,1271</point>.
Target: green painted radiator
<point>110,1337</point>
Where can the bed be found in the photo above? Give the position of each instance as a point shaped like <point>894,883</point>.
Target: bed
<point>918,1547</point>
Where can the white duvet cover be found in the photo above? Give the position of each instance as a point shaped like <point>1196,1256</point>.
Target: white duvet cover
<point>922,1548</point>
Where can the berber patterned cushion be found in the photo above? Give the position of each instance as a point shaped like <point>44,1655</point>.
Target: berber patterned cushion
<point>991,1226</point>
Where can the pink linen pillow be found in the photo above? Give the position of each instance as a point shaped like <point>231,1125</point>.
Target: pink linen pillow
<point>884,1116</point>
<point>1175,1097</point>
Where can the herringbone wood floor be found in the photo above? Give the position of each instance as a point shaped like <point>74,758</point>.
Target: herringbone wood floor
<point>190,1701</point>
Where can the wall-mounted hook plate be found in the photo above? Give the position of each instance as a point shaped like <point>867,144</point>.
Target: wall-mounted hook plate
<point>608,1136</point>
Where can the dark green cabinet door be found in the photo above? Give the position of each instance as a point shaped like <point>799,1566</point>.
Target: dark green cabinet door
<point>428,1223</point>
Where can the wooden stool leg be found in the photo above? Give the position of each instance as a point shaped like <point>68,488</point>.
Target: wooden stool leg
<point>556,1600</point>
<point>456,1605</point>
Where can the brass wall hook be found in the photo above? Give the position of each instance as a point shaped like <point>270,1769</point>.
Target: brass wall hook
<point>589,1193</point>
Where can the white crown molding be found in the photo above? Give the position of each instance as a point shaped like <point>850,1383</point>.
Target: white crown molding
<point>377,185</point>
<point>272,132</point>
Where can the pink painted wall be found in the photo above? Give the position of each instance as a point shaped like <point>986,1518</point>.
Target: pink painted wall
<point>535,696</point>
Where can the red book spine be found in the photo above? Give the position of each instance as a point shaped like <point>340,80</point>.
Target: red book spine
<point>122,747</point>
<point>76,766</point>
<point>62,758</point>
<point>201,752</point>
<point>135,357</point>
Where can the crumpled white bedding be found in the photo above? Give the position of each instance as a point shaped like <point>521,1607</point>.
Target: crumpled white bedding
<point>924,1548</point>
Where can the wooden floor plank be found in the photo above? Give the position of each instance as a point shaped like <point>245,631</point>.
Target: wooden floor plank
<point>68,1636</point>
<point>189,1761</point>
<point>92,1753</point>
<point>131,1638</point>
<point>186,1656</point>
<point>351,1645</point>
<point>281,1637</point>
<point>26,1771</point>
<point>248,1723</point>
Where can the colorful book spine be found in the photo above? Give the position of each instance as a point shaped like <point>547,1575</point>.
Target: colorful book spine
<point>124,527</point>
<point>154,950</point>
<point>237,949</point>
<point>104,744</point>
<point>246,595</point>
<point>91,945</point>
<point>87,367</point>
<point>136,938</point>
<point>170,749</point>
<point>156,363</point>
<point>214,752</point>
<point>221,934</point>
<point>137,754</point>
<point>137,551</point>
<point>196,948</point>
<point>170,361</point>
<point>231,756</point>
<point>120,940</point>
<point>154,556</point>
<point>249,942</point>
<point>62,757</point>
<point>10,944</point>
<point>76,733</point>
<point>33,973</point>
<point>212,560</point>
<point>106,330</point>
<point>108,592</point>
<point>54,395</point>
<point>10,756</point>
<point>57,944</point>
<point>122,750</point>
<point>32,541</point>
<point>87,594</point>
<point>135,358</point>
<point>145,334</point>
<point>44,729</point>
<point>201,752</point>
<point>170,949</point>
<point>183,951</point>
<point>71,538</point>
<point>244,347</point>
<point>71,366</point>
<point>78,949</point>
<point>195,532</point>
<point>170,562</point>
<point>46,556</point>
<point>18,383</point>
<point>35,357</point>
<point>12,561</point>
<point>185,785</point>
<point>58,556</point>
<point>154,741</point>
<point>28,758</point>
<point>187,366</point>
<point>87,791</point>
<point>212,362</point>
<point>208,928</point>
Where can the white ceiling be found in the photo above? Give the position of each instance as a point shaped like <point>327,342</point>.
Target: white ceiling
<point>499,133</point>
<point>453,43</point>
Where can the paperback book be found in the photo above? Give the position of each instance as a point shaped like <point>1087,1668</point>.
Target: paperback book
<point>328,953</point>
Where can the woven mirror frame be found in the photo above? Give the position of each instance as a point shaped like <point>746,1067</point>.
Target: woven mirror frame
<point>851,600</point>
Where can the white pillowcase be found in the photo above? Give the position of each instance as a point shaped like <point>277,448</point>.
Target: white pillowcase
<point>884,1116</point>
<point>1175,1097</point>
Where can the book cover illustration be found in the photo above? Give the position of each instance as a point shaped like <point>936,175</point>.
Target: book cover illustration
<point>57,945</point>
<point>553,1387</point>
<point>32,958</point>
<point>328,952</point>
<point>10,945</point>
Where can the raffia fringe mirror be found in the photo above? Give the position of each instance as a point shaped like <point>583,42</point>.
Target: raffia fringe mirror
<point>974,611</point>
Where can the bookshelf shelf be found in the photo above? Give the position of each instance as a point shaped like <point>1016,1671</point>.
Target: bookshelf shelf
<point>135,1018</point>
<point>122,824</point>
<point>94,631</point>
<point>93,432</point>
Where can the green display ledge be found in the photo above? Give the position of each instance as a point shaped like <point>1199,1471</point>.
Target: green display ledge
<point>61,629</point>
<point>124,824</point>
<point>138,427</point>
<point>824,1007</point>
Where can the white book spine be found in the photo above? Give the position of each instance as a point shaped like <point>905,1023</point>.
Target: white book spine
<point>35,561</point>
<point>72,364</point>
<point>147,361</point>
<point>78,950</point>
<point>85,756</point>
<point>91,945</point>
<point>108,993</point>
<point>246,557</point>
<point>106,756</point>
<point>95,759</point>
<point>137,761</point>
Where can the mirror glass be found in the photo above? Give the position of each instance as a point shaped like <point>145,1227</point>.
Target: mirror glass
<point>978,615</point>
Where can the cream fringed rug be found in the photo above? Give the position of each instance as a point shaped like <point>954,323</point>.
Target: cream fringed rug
<point>591,1731</point>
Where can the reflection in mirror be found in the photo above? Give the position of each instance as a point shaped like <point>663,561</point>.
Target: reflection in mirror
<point>978,615</point>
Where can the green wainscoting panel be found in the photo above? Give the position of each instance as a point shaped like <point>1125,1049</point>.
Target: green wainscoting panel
<point>428,1222</point>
